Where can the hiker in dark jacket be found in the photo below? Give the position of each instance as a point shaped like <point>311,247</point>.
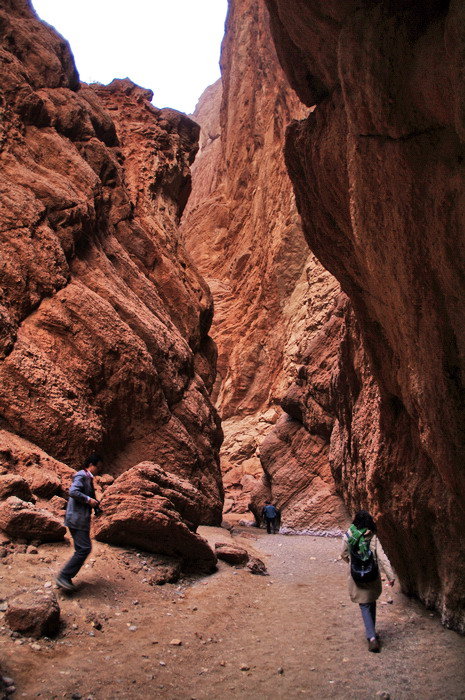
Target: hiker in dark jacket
<point>362,536</point>
<point>77,519</point>
<point>270,515</point>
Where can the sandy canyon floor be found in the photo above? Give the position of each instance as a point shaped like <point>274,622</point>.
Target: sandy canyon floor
<point>292,634</point>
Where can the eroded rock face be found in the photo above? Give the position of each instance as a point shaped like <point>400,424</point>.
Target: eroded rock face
<point>103,319</point>
<point>231,553</point>
<point>157,511</point>
<point>14,485</point>
<point>378,174</point>
<point>34,614</point>
<point>24,520</point>
<point>241,228</point>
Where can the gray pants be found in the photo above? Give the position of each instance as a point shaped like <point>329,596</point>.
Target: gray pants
<point>82,549</point>
<point>368,611</point>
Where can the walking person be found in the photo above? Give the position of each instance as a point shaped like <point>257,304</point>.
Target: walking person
<point>361,551</point>
<point>270,515</point>
<point>77,519</point>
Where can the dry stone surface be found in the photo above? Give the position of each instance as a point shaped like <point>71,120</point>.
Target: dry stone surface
<point>104,319</point>
<point>377,170</point>
<point>34,614</point>
<point>271,295</point>
<point>22,520</point>
<point>231,553</point>
<point>14,485</point>
<point>156,511</point>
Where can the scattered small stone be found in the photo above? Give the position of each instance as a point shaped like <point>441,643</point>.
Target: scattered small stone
<point>92,634</point>
<point>176,643</point>
<point>280,670</point>
<point>383,694</point>
<point>7,681</point>
<point>244,667</point>
<point>132,628</point>
<point>162,663</point>
<point>76,696</point>
<point>135,602</point>
<point>32,550</point>
<point>36,647</point>
<point>48,584</point>
<point>10,690</point>
<point>3,607</point>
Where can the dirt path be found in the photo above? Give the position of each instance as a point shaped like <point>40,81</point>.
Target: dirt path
<point>296,630</point>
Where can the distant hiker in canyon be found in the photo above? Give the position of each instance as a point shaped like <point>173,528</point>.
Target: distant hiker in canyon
<point>271,517</point>
<point>365,587</point>
<point>78,513</point>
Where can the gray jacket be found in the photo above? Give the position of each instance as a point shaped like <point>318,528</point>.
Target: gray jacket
<point>78,510</point>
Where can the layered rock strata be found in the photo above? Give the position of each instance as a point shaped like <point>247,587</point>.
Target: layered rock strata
<point>379,178</point>
<point>150,508</point>
<point>103,318</point>
<point>241,228</point>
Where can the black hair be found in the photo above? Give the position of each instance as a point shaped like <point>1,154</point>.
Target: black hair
<point>364,519</point>
<point>94,458</point>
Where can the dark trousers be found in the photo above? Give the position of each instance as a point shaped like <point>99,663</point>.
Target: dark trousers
<point>368,611</point>
<point>270,523</point>
<point>82,549</point>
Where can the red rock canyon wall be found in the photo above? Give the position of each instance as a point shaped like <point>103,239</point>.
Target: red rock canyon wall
<point>242,230</point>
<point>104,320</point>
<point>378,171</point>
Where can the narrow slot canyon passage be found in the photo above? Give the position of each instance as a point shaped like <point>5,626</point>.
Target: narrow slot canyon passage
<point>259,302</point>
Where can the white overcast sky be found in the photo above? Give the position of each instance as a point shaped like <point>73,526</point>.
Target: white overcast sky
<point>169,46</point>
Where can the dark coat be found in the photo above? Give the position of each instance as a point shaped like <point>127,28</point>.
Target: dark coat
<point>78,510</point>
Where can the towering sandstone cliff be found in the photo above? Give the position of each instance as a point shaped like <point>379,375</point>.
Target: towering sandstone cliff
<point>242,229</point>
<point>378,171</point>
<point>104,320</point>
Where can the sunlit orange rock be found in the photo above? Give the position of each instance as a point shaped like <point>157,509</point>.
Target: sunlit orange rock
<point>103,319</point>
<point>242,230</point>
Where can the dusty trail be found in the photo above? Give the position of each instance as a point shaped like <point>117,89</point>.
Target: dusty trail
<point>298,621</point>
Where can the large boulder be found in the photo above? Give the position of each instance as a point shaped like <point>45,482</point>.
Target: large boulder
<point>14,485</point>
<point>44,483</point>
<point>154,510</point>
<point>26,521</point>
<point>231,553</point>
<point>35,614</point>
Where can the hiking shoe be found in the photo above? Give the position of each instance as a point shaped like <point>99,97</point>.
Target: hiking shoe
<point>65,583</point>
<point>373,645</point>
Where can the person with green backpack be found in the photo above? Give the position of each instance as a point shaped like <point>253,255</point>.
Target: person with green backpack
<point>360,551</point>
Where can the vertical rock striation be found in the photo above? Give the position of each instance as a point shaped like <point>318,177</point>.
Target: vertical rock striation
<point>103,319</point>
<point>378,171</point>
<point>242,229</point>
